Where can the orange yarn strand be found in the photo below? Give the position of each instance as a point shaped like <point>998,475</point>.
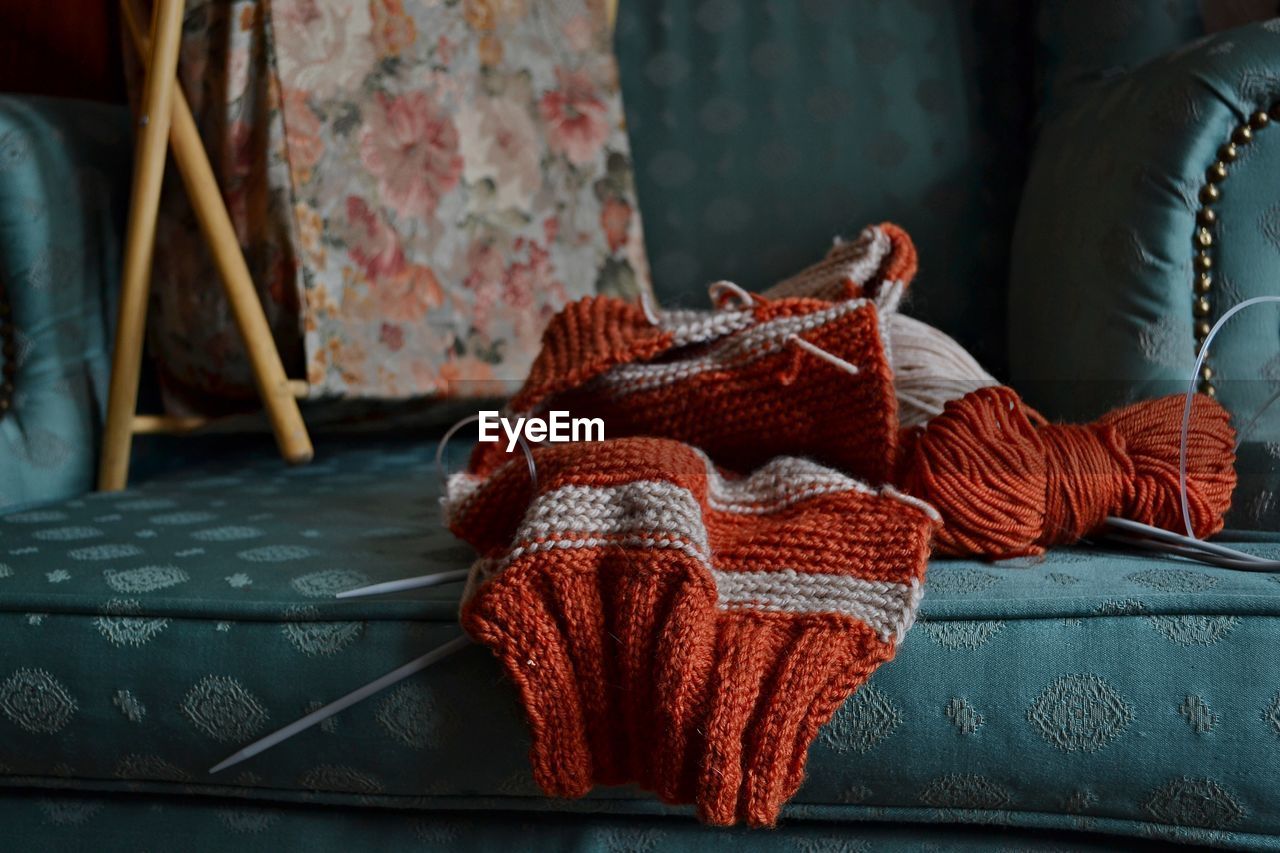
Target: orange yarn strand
<point>1009,484</point>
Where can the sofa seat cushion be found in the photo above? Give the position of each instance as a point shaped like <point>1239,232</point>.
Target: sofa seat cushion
<point>149,634</point>
<point>45,820</point>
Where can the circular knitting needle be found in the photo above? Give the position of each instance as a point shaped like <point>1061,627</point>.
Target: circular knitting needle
<point>470,419</point>
<point>1245,562</point>
<point>1157,539</point>
<point>358,695</point>
<point>403,584</point>
<point>1191,390</point>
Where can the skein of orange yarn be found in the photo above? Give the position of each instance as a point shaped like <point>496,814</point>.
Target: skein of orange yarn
<point>1007,483</point>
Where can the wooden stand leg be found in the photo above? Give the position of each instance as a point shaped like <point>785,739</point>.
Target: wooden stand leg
<point>206,199</point>
<point>148,172</point>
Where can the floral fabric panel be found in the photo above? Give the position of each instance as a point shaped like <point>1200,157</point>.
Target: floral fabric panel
<point>418,186</point>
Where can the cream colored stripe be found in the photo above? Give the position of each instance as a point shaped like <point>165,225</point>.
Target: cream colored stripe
<point>641,506</point>
<point>779,483</point>
<point>651,514</point>
<point>697,327</point>
<point>751,345</point>
<point>859,261</point>
<point>782,482</point>
<point>649,505</point>
<point>889,608</point>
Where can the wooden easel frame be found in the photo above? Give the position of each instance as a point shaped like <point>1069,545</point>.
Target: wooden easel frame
<point>165,120</point>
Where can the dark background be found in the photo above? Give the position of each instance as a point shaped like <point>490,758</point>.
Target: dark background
<point>69,48</point>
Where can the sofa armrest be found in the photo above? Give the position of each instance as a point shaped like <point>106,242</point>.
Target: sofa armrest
<point>1124,210</point>
<point>64,172</point>
<point>1152,207</point>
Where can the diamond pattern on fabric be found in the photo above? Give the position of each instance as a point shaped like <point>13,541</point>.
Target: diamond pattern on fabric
<point>866,719</point>
<point>36,701</point>
<point>221,707</point>
<point>1189,801</point>
<point>1079,712</point>
<point>965,791</point>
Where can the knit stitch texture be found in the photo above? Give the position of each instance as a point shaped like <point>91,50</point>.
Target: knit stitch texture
<point>741,382</point>
<point>674,625</point>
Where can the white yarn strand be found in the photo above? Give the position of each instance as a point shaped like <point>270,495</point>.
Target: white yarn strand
<point>646,305</point>
<point>723,290</point>
<point>1191,391</point>
<point>470,419</point>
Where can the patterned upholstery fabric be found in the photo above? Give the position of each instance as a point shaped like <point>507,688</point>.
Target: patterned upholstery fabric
<point>1101,307</point>
<point>64,172</point>
<point>152,632</point>
<point>762,130</point>
<point>418,186</point>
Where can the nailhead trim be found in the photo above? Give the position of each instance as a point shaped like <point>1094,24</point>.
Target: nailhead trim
<point>1206,220</point>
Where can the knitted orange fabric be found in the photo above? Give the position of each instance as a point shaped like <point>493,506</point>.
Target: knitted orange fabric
<point>755,394</point>
<point>798,375</point>
<point>1007,483</point>
<point>587,338</point>
<point>676,626</point>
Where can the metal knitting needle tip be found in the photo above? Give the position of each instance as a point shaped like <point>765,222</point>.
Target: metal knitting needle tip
<point>1185,543</point>
<point>358,695</point>
<point>404,583</point>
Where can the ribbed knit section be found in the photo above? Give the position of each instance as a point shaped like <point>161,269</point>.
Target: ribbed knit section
<point>806,666</point>
<point>676,626</point>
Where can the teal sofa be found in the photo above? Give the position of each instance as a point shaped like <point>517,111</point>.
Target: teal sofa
<point>1092,699</point>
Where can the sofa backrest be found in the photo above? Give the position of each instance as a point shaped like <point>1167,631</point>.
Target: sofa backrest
<point>761,130</point>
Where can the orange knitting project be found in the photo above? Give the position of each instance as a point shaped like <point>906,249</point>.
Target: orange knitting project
<point>1006,482</point>
<point>799,375</point>
<point>670,624</point>
<point>689,628</point>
